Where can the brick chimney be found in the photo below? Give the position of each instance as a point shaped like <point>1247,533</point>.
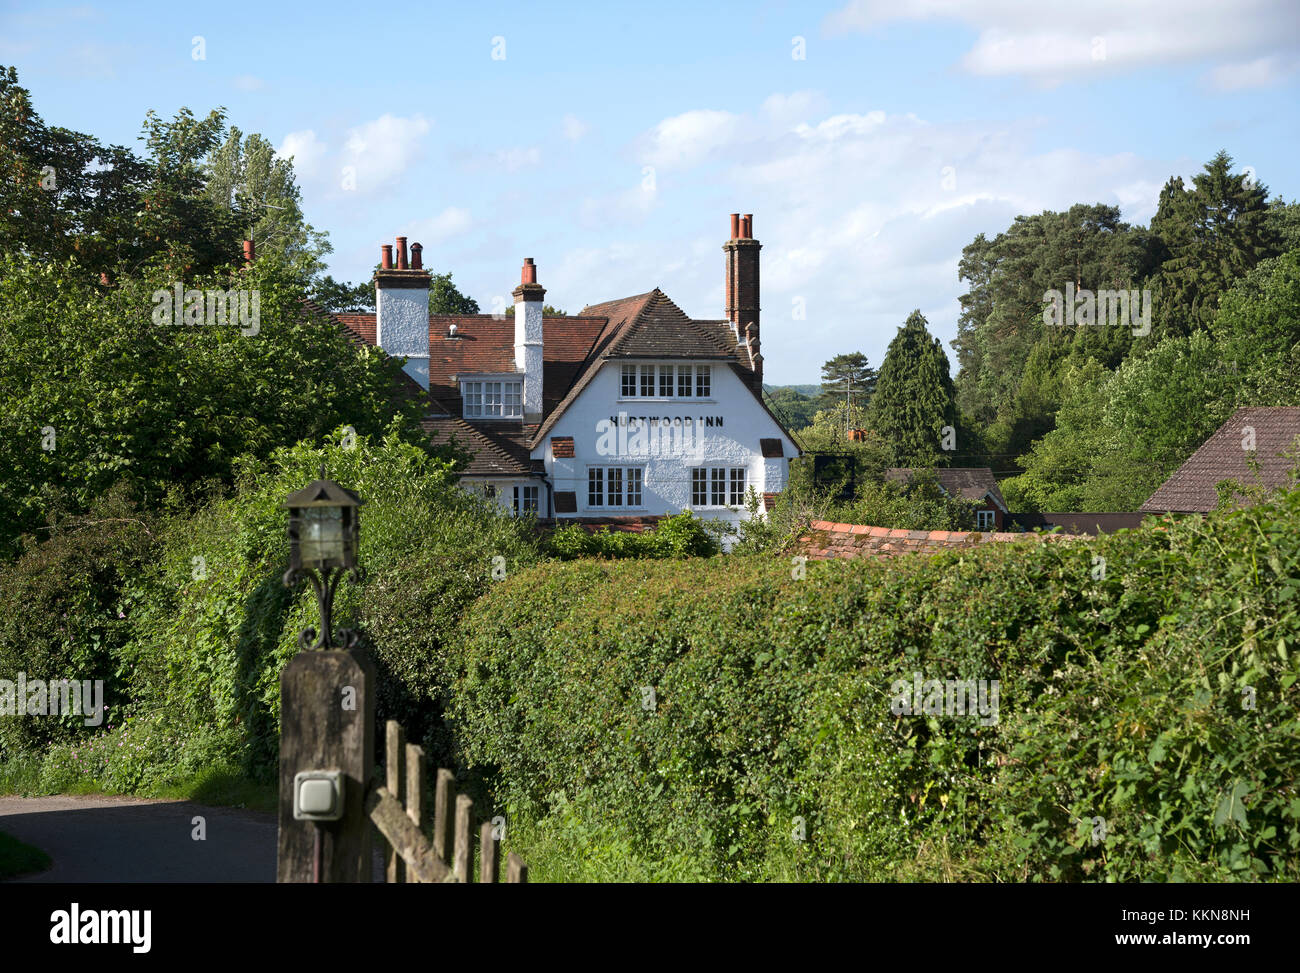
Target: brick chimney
<point>528,338</point>
<point>402,310</point>
<point>742,289</point>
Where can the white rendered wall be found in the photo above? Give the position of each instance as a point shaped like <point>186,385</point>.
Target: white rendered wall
<point>402,328</point>
<point>528,354</point>
<point>666,487</point>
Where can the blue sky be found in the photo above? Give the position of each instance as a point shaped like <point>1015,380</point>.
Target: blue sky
<point>610,142</point>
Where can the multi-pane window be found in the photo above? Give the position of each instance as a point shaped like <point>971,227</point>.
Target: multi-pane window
<point>526,499</point>
<point>736,496</point>
<point>699,488</point>
<point>665,381</point>
<point>984,518</point>
<point>702,381</point>
<point>492,400</point>
<point>472,393</point>
<point>718,486</point>
<point>614,486</point>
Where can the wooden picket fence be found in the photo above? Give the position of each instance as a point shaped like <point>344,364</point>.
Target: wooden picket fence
<point>400,813</point>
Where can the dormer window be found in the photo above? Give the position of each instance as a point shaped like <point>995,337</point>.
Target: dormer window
<point>492,399</point>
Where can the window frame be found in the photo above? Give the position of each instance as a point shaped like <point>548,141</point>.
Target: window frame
<point>481,393</point>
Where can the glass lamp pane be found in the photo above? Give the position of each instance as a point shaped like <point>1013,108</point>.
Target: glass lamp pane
<point>321,540</point>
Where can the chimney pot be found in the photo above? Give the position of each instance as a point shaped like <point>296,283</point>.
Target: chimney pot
<point>387,261</point>
<point>735,225</point>
<point>747,226</point>
<point>248,252</point>
<point>529,274</point>
<point>401,253</point>
<point>417,257</point>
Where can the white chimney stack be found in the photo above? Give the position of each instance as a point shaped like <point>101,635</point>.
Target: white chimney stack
<point>528,338</point>
<point>402,309</point>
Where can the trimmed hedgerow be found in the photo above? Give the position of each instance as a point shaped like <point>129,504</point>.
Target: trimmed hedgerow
<point>712,711</point>
<point>682,535</point>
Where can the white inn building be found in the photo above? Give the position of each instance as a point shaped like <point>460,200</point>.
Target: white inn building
<point>629,410</point>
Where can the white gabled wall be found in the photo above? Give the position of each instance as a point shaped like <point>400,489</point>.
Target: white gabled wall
<point>666,487</point>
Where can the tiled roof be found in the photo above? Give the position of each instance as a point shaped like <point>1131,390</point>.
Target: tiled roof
<point>574,347</point>
<point>970,482</point>
<point>404,385</point>
<point>828,541</point>
<point>646,326</point>
<point>1191,489</point>
<point>484,343</point>
<point>496,448</point>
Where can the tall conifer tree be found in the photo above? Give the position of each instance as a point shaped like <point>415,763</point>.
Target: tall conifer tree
<point>914,398</point>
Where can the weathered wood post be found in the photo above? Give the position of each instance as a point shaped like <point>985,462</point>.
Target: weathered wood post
<point>327,721</point>
<point>327,701</point>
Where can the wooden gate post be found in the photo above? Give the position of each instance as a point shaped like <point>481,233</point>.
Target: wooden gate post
<point>327,722</point>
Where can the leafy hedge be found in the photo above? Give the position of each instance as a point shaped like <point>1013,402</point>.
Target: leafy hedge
<point>1125,747</point>
<point>682,535</point>
<point>191,639</point>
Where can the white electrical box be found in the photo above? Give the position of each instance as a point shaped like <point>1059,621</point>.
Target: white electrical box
<point>318,795</point>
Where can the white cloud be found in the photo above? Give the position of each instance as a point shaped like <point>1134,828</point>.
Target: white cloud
<point>308,153</point>
<point>248,82</point>
<point>864,215</point>
<point>383,149</point>
<point>794,107</point>
<point>1052,42</point>
<point>685,139</point>
<point>514,159</point>
<point>574,127</point>
<point>1259,73</point>
<point>452,222</point>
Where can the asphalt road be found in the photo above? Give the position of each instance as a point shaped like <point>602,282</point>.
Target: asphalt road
<point>125,839</point>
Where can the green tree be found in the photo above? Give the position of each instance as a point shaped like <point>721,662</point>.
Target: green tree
<point>847,378</point>
<point>1001,321</point>
<point>444,298</point>
<point>96,393</point>
<point>1208,236</point>
<point>547,310</point>
<point>791,406</point>
<point>65,197</point>
<point>915,399</point>
<point>340,297</point>
<point>260,190</point>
